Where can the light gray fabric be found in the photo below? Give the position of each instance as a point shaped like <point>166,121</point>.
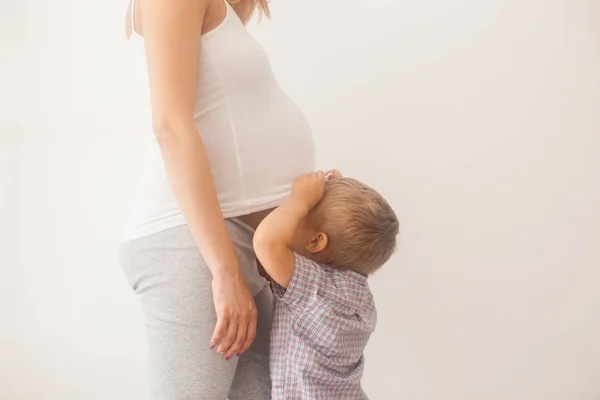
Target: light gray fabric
<point>174,284</point>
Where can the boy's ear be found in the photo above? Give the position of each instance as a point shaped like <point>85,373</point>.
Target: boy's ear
<point>317,243</point>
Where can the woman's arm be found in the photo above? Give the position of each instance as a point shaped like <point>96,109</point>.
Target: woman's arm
<point>172,30</point>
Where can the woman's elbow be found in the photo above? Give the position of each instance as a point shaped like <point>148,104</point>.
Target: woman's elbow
<point>168,129</point>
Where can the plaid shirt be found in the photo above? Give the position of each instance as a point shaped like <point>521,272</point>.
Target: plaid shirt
<point>321,325</point>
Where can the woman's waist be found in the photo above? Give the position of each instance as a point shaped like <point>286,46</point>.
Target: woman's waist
<point>238,172</point>
<point>149,215</point>
<point>156,196</point>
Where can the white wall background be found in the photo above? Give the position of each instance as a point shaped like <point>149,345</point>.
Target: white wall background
<point>477,119</point>
<point>11,63</point>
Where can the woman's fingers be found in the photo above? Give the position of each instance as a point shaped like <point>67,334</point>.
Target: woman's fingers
<point>239,336</point>
<point>250,336</point>
<point>219,332</point>
<point>239,340</point>
<point>228,339</point>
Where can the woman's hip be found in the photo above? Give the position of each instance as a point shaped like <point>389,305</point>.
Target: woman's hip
<point>171,258</point>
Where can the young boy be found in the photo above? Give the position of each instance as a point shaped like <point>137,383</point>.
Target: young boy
<point>318,248</point>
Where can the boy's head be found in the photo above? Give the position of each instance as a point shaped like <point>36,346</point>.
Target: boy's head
<point>352,227</point>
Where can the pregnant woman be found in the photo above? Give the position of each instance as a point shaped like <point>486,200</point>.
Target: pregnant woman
<point>227,144</point>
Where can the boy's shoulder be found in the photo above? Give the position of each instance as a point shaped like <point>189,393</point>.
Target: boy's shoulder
<point>314,286</point>
<point>345,288</point>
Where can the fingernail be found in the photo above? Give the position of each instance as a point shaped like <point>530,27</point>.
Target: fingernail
<point>227,358</point>
<point>238,354</point>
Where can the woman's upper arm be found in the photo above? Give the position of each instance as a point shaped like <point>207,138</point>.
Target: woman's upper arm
<point>172,30</point>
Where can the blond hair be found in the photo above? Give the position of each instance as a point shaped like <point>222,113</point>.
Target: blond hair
<point>360,224</point>
<point>245,8</point>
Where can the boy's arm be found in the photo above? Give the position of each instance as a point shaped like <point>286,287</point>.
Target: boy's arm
<point>274,237</point>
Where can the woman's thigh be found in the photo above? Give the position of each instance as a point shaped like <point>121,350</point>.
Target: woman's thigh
<point>174,285</point>
<point>252,380</point>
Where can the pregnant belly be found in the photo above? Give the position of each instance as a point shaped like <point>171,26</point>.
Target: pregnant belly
<point>277,147</point>
<point>256,149</point>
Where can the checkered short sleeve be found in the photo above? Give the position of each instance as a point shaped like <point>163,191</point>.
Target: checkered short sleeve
<point>303,288</point>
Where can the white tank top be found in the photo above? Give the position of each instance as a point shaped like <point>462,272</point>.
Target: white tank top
<point>256,137</point>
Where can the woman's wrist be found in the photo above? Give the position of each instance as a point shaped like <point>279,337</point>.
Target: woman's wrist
<point>218,249</point>
<point>226,271</point>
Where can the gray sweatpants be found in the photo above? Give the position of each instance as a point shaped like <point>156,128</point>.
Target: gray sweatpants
<point>174,284</point>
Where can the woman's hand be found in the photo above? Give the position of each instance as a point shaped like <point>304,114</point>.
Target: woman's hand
<point>236,316</point>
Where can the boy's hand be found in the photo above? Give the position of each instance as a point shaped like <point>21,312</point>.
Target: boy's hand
<point>308,189</point>
<point>333,174</point>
